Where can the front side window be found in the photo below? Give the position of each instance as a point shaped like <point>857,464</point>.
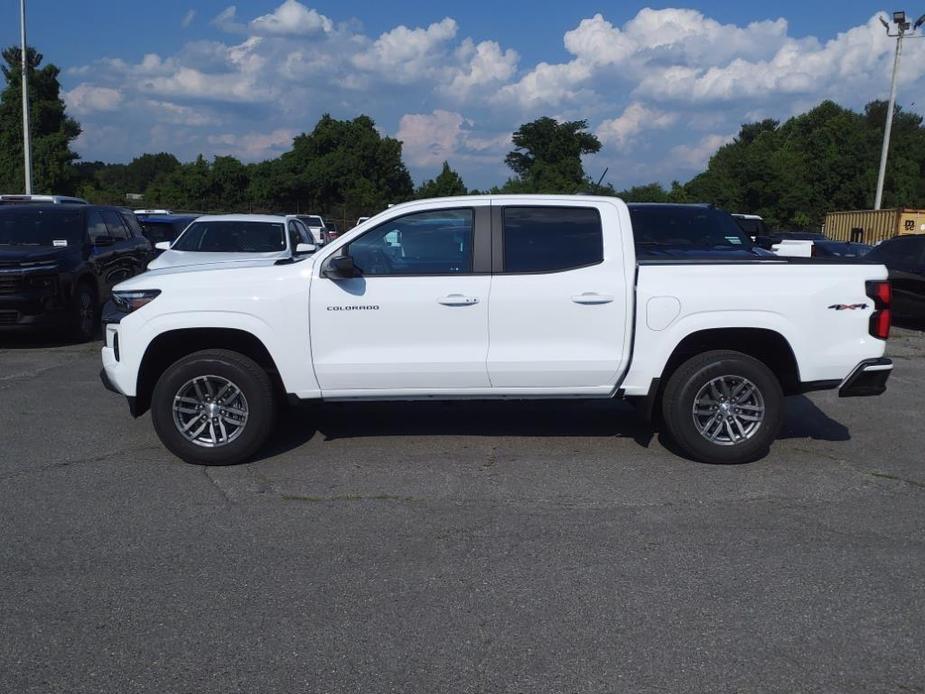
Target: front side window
<point>551,239</point>
<point>232,237</point>
<point>424,243</point>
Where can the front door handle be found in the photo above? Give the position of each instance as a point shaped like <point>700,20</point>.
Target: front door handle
<point>592,298</point>
<point>457,300</point>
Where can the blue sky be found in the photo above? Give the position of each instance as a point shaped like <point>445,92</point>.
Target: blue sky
<point>662,84</point>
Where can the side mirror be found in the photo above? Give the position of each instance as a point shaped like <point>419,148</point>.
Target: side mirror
<point>305,248</point>
<point>340,267</point>
<point>103,241</point>
<point>162,245</point>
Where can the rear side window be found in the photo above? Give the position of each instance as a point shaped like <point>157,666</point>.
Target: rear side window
<point>115,224</point>
<point>96,226</point>
<point>131,223</point>
<point>550,239</point>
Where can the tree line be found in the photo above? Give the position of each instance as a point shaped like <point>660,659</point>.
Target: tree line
<point>790,173</point>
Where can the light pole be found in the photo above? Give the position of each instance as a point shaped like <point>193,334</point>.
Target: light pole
<point>26,135</point>
<point>902,26</point>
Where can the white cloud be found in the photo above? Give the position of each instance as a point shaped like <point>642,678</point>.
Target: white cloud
<point>695,157</point>
<point>547,85</point>
<point>86,98</point>
<point>429,139</point>
<point>176,114</point>
<point>406,55</point>
<point>187,19</point>
<point>672,72</point>
<point>635,119</point>
<point>292,18</point>
<point>226,20</point>
<point>253,146</point>
<point>483,65</point>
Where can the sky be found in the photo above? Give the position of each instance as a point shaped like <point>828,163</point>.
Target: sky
<point>663,85</point>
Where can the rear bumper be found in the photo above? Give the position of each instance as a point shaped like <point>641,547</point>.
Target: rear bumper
<point>868,378</point>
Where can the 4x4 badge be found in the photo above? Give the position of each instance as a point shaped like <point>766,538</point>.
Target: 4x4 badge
<point>848,307</point>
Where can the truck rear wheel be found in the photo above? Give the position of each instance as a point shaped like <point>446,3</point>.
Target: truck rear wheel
<point>723,407</point>
<point>214,407</point>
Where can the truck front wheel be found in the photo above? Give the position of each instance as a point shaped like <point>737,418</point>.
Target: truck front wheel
<point>213,407</point>
<point>723,407</point>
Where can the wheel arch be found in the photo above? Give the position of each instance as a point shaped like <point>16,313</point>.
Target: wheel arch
<point>170,346</point>
<point>764,344</point>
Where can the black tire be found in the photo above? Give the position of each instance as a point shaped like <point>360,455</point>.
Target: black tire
<point>249,377</point>
<point>84,313</point>
<point>694,377</point>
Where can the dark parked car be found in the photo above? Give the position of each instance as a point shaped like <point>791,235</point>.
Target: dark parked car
<point>839,249</point>
<point>904,256</point>
<point>164,227</point>
<point>58,264</point>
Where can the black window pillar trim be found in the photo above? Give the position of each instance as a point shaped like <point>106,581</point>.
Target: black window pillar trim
<point>497,239</point>
<point>482,239</point>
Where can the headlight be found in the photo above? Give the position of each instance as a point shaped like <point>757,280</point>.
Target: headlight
<point>132,300</point>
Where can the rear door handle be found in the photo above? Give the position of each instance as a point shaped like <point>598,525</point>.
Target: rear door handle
<point>457,300</point>
<point>592,298</point>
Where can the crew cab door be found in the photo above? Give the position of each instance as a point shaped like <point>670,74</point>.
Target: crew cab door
<point>560,303</point>
<point>415,316</point>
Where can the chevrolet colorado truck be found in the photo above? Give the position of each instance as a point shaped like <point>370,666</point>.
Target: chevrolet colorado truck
<point>500,297</point>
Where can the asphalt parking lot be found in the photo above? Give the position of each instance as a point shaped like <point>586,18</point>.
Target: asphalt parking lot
<point>555,547</point>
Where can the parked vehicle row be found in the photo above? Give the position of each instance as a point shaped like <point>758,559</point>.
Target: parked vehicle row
<point>59,262</point>
<point>211,239</point>
<point>402,307</point>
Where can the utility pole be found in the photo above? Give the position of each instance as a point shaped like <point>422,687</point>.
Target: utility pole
<point>899,18</point>
<point>26,135</point>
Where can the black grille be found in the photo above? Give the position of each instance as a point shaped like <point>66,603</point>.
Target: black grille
<point>9,317</point>
<point>9,284</point>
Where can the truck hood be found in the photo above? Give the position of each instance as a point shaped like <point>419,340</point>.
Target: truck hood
<point>150,279</point>
<point>172,258</point>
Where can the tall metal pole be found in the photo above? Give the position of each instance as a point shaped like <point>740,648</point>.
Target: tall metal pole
<point>26,135</point>
<point>889,121</point>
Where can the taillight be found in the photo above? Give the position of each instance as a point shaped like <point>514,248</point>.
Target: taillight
<point>882,294</point>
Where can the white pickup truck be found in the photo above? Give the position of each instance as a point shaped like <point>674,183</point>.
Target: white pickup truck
<point>496,297</point>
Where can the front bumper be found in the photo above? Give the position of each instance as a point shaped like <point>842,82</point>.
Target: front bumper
<point>868,378</point>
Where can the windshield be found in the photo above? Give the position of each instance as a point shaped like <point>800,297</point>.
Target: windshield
<point>312,221</point>
<point>686,227</point>
<point>40,227</point>
<point>232,237</point>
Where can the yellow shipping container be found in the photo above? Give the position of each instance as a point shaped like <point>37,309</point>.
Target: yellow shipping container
<point>873,226</point>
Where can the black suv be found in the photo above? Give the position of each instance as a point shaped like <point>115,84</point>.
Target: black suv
<point>58,264</point>
<point>904,257</point>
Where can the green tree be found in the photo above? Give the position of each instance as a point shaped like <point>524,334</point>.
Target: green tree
<point>51,129</point>
<point>826,159</point>
<point>446,184</point>
<point>343,165</point>
<point>547,156</point>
